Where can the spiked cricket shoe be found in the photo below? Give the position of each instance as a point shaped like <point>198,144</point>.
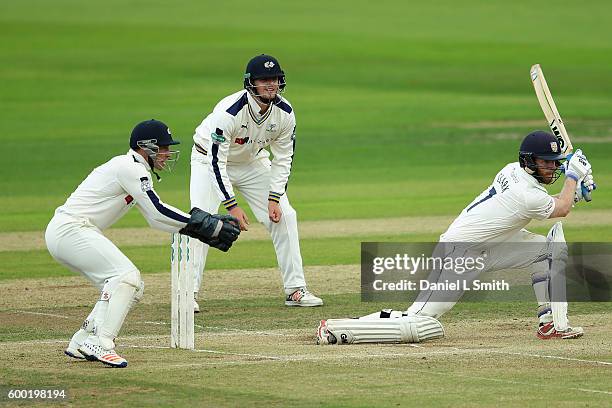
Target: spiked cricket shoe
<point>547,331</point>
<point>73,351</point>
<point>93,351</point>
<point>302,297</point>
<point>75,342</point>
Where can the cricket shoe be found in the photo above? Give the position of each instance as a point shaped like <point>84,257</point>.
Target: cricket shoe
<point>302,297</point>
<point>324,336</point>
<point>547,331</point>
<point>93,351</point>
<point>75,342</point>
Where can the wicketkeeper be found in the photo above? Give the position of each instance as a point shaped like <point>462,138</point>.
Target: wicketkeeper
<point>493,225</point>
<point>74,236</point>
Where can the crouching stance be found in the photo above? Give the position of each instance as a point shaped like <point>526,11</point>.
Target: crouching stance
<point>74,235</point>
<point>492,226</point>
<point>387,326</point>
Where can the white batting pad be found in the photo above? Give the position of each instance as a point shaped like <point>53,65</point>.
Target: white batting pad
<point>405,329</point>
<point>557,277</point>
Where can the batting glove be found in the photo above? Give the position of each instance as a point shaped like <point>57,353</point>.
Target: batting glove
<point>577,166</point>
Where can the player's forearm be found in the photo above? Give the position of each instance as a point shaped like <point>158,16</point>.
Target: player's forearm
<point>565,199</point>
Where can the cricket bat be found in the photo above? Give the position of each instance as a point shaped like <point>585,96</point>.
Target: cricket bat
<point>552,116</point>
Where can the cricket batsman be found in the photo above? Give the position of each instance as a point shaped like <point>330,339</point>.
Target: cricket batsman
<point>230,154</point>
<point>490,225</point>
<point>74,235</point>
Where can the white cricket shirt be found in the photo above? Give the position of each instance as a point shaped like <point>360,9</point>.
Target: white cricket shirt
<point>235,132</point>
<point>504,208</point>
<point>113,188</point>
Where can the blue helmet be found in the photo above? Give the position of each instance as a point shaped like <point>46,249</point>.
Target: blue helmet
<point>151,132</point>
<point>261,67</point>
<point>540,145</point>
<point>149,136</point>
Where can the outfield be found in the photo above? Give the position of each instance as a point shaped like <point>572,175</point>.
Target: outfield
<point>405,112</point>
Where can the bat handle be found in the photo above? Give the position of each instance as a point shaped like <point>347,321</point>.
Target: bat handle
<point>586,193</point>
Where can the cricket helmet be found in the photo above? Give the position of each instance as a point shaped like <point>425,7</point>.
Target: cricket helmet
<point>261,67</point>
<point>149,136</point>
<point>540,145</point>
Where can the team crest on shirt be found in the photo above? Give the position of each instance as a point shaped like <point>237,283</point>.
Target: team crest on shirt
<point>145,184</point>
<point>554,147</point>
<point>271,127</point>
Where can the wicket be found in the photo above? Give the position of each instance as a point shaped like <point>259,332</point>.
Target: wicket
<point>182,266</point>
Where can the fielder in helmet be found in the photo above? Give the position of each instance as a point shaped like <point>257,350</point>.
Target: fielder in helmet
<point>231,153</point>
<point>74,235</point>
<point>492,227</point>
<point>264,79</point>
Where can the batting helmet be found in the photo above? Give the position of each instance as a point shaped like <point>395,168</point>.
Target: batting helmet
<point>540,145</point>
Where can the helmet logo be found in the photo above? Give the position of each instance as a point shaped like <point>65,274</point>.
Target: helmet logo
<point>554,147</point>
<point>269,64</point>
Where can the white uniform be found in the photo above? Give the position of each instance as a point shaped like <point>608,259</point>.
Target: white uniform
<point>503,209</point>
<point>74,235</point>
<point>74,238</point>
<point>493,224</point>
<point>229,153</point>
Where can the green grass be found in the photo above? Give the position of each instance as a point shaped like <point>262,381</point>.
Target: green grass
<point>251,254</point>
<point>403,109</point>
<point>385,115</point>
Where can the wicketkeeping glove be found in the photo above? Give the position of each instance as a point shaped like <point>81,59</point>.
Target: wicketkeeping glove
<point>218,231</point>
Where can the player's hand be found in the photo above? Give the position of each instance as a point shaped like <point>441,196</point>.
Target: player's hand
<point>274,211</point>
<point>239,214</point>
<point>577,166</point>
<point>219,231</point>
<point>229,230</point>
<point>584,189</point>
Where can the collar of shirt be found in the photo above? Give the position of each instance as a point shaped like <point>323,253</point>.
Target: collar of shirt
<point>255,108</point>
<point>139,159</point>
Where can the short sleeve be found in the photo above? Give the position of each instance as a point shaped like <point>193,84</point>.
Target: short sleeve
<point>539,204</point>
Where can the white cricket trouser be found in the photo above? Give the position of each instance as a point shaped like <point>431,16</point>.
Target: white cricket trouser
<point>82,247</point>
<point>523,250</point>
<point>253,181</point>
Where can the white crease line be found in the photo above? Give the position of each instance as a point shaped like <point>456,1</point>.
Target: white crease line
<point>550,357</point>
<point>500,380</point>
<point>31,342</point>
<point>38,314</point>
<point>149,337</point>
<point>209,351</point>
<point>394,355</point>
<point>265,358</point>
<point>239,354</point>
<point>226,329</point>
